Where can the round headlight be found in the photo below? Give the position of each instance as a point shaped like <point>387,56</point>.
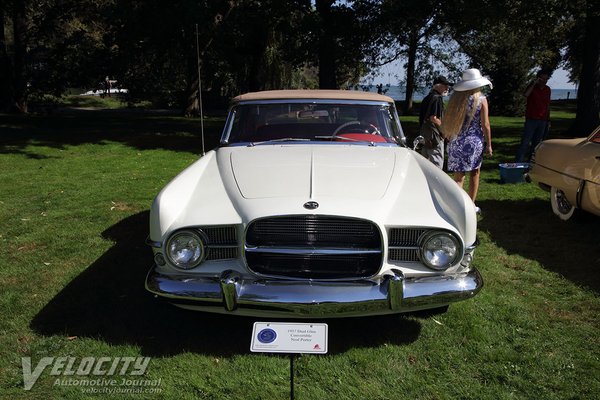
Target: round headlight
<point>440,250</point>
<point>185,249</point>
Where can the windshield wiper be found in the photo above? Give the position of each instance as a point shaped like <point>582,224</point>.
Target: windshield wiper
<point>345,138</point>
<point>279,140</point>
<point>339,137</point>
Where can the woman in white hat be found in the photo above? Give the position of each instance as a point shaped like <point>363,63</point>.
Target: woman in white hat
<point>467,127</point>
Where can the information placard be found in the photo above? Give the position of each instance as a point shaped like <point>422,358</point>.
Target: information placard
<point>293,338</point>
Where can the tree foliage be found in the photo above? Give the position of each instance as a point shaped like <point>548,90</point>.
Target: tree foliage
<point>260,47</point>
<point>73,44</point>
<point>151,46</point>
<point>583,60</point>
<point>6,81</point>
<point>415,33</point>
<point>507,40</point>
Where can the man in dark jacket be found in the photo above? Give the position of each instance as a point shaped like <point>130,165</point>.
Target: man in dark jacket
<point>430,119</point>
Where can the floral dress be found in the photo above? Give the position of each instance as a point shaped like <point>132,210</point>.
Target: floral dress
<point>465,152</point>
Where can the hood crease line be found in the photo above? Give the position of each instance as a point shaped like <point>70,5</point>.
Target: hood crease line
<point>312,173</point>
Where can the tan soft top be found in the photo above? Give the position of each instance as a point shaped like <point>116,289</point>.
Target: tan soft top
<point>312,94</point>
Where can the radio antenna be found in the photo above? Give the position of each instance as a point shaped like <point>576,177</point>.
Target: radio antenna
<point>200,91</point>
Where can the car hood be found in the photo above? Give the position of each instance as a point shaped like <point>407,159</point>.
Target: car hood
<point>389,185</point>
<point>349,172</point>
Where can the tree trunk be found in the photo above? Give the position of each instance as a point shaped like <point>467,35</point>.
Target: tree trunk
<point>258,72</point>
<point>194,69</point>
<point>6,82</point>
<point>20,75</point>
<point>326,51</point>
<point>193,100</point>
<point>588,94</point>
<point>410,72</point>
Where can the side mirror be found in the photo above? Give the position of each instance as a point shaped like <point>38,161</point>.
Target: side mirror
<point>400,140</point>
<point>419,141</point>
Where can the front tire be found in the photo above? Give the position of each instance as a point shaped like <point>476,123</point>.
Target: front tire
<point>560,205</point>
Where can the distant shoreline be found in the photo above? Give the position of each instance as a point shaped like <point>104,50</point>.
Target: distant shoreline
<point>397,93</point>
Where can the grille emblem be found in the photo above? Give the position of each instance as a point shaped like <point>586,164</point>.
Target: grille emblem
<point>311,205</point>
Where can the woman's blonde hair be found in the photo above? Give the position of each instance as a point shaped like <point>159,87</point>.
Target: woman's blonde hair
<point>456,112</point>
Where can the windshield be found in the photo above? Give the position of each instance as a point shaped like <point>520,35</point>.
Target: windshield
<point>310,121</point>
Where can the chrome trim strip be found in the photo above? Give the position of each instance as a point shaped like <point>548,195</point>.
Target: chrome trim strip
<point>315,101</point>
<point>556,171</point>
<point>300,143</point>
<point>397,121</point>
<point>230,293</point>
<point>310,251</point>
<point>228,125</point>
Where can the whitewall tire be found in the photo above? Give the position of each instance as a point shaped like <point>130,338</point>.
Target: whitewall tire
<point>560,205</point>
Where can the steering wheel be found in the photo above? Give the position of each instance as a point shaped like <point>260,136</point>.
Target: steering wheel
<point>369,128</point>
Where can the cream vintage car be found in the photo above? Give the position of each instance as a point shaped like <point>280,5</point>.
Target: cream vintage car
<point>570,170</point>
<point>313,206</point>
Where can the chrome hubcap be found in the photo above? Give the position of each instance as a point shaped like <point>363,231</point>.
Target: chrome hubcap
<point>564,206</point>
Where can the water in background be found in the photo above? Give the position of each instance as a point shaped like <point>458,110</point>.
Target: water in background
<point>397,93</point>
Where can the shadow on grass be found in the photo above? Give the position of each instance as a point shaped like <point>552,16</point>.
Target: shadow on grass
<point>141,129</point>
<point>108,301</point>
<point>530,229</point>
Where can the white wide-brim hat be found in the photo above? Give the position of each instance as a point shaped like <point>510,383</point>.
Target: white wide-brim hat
<point>472,79</point>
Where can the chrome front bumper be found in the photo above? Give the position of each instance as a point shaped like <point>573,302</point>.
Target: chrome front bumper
<point>309,299</point>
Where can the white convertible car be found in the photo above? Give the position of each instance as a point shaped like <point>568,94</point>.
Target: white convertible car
<point>313,207</point>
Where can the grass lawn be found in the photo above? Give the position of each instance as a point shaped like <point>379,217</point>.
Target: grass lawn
<point>75,189</point>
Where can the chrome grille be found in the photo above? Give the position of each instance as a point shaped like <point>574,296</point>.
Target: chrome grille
<point>221,234</point>
<point>222,243</point>
<point>314,247</point>
<point>403,254</point>
<point>404,244</point>
<point>405,236</point>
<point>311,230</point>
<point>221,253</point>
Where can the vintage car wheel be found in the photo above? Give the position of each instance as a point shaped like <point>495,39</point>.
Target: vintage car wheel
<point>561,206</point>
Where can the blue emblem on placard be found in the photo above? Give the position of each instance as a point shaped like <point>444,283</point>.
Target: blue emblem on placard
<point>267,335</point>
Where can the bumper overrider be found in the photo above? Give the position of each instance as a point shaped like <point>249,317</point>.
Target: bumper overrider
<point>231,293</point>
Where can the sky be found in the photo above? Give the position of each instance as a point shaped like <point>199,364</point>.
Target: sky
<point>560,80</point>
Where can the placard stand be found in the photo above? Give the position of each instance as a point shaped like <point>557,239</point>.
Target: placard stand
<point>292,376</point>
<point>289,338</point>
